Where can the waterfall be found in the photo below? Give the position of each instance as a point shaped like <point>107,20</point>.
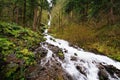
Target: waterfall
<point>79,64</point>
<point>82,65</point>
<point>49,15</point>
<point>49,11</point>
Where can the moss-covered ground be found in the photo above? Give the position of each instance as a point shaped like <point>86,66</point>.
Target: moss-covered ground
<point>16,50</point>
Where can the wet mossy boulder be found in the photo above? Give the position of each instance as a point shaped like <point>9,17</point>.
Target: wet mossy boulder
<point>61,55</point>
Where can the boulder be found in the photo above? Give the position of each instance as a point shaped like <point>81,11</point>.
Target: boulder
<point>80,70</point>
<point>73,58</point>
<point>102,73</point>
<point>112,70</point>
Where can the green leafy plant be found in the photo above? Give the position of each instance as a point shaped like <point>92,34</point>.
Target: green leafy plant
<point>17,41</point>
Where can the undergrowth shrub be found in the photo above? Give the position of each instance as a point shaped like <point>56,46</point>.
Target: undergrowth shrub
<point>17,41</point>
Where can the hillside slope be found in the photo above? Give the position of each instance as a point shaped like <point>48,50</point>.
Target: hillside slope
<point>16,50</point>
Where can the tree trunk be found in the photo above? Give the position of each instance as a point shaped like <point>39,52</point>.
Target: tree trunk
<point>40,15</point>
<point>17,14</point>
<point>14,12</point>
<point>35,18</point>
<point>24,13</point>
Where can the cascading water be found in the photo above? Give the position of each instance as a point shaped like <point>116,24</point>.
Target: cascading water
<point>49,13</point>
<point>79,64</point>
<point>85,65</point>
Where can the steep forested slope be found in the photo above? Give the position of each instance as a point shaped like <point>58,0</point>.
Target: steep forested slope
<point>16,50</point>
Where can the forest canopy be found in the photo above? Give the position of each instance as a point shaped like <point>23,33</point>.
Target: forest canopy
<point>98,9</point>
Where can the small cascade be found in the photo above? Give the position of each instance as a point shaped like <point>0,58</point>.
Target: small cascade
<point>49,22</point>
<point>49,12</point>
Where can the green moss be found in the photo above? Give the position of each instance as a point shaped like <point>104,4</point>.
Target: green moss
<point>61,55</point>
<point>16,40</point>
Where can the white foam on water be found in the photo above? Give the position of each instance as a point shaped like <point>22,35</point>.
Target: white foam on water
<point>87,60</point>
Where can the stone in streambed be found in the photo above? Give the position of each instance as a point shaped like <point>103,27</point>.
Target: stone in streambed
<point>80,70</point>
<point>73,58</point>
<point>102,73</point>
<point>42,51</point>
<point>56,50</point>
<point>112,70</point>
<point>104,70</point>
<point>52,39</point>
<point>75,54</point>
<point>66,51</point>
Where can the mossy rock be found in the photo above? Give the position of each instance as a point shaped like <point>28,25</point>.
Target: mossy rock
<point>61,55</point>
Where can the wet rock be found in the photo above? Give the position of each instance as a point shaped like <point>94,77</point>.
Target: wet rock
<point>53,55</point>
<point>58,64</point>
<point>73,58</point>
<point>41,51</point>
<point>43,68</point>
<point>108,69</point>
<point>102,73</point>
<point>80,70</point>
<point>68,77</point>
<point>51,72</point>
<point>82,61</point>
<point>56,50</point>
<point>53,48</point>
<point>74,46</point>
<point>75,54</point>
<point>66,51</point>
<point>52,39</point>
<point>112,70</point>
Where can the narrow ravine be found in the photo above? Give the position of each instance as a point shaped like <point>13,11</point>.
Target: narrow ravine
<point>77,63</point>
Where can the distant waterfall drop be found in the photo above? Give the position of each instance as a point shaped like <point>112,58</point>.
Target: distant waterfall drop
<point>49,11</point>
